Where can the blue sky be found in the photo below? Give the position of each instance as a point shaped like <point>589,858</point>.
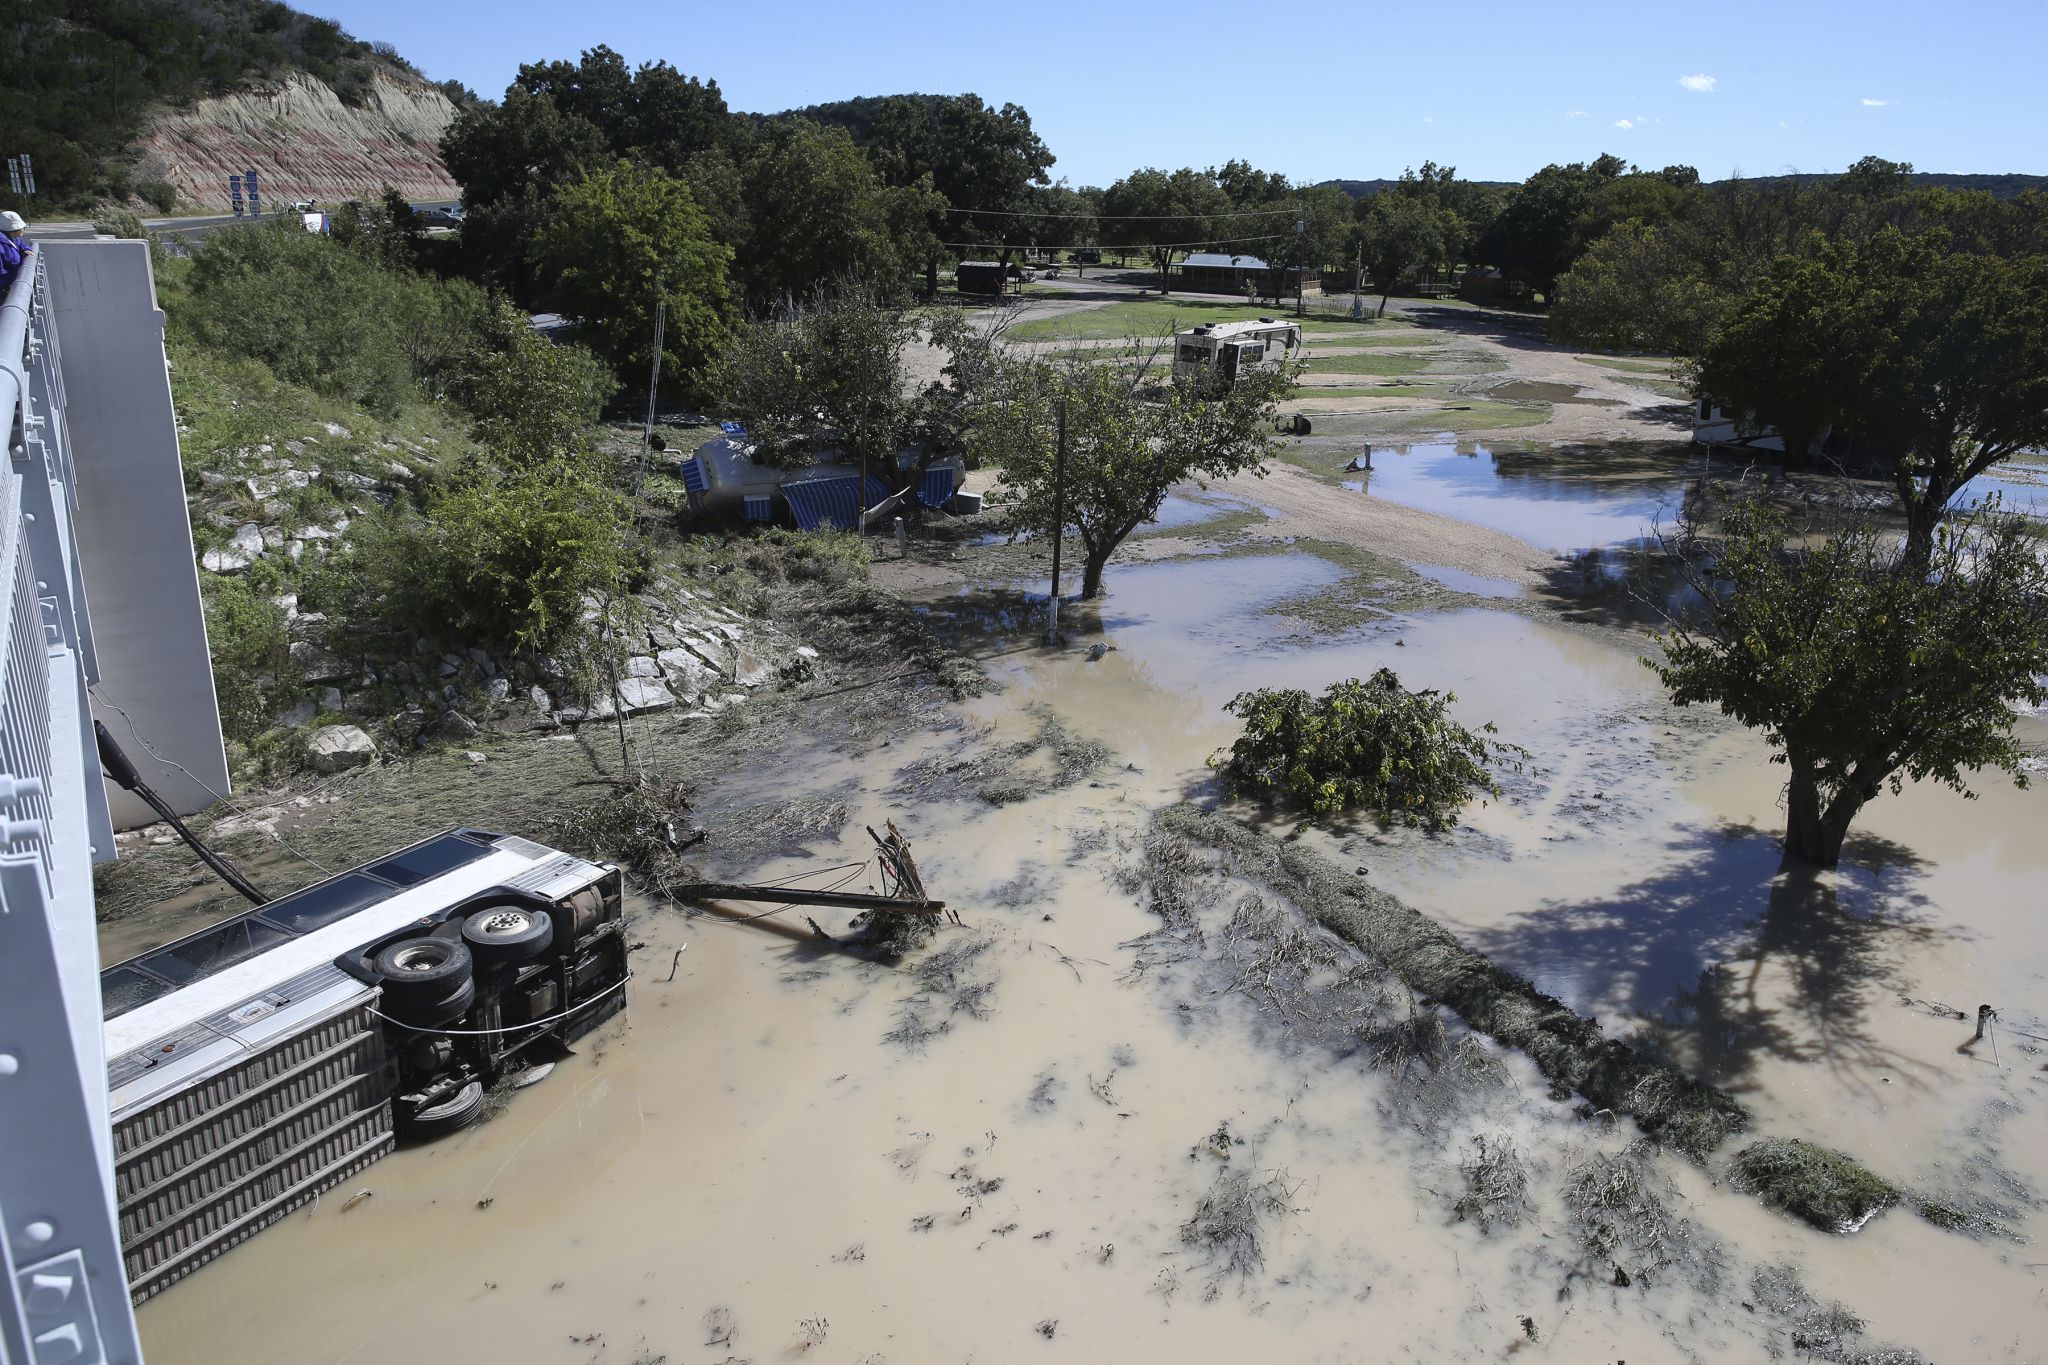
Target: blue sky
<point>1356,91</point>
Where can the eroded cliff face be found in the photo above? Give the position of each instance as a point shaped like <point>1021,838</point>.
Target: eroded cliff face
<point>305,143</point>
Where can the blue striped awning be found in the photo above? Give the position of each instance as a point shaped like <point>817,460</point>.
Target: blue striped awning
<point>935,489</point>
<point>760,506</point>
<point>693,474</point>
<point>831,502</point>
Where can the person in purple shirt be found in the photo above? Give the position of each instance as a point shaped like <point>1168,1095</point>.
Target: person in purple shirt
<point>15,248</point>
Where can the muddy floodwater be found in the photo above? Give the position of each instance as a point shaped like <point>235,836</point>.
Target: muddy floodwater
<point>1056,1134</point>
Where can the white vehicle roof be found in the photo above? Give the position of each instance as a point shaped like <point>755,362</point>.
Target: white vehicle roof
<point>1239,331</point>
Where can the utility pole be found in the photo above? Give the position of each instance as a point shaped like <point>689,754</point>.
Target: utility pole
<point>653,387</point>
<point>1059,521</point>
<point>1300,264</point>
<point>1357,282</point>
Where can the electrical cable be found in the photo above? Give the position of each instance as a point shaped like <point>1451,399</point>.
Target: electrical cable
<point>123,772</point>
<point>510,1028</point>
<point>1129,217</point>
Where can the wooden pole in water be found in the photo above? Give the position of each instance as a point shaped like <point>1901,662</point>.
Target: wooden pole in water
<point>1059,520</point>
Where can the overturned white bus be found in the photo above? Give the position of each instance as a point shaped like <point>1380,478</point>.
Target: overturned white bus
<point>268,1057</point>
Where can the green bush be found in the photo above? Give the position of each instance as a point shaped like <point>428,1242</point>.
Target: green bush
<point>117,220</point>
<point>486,563</point>
<point>1369,745</point>
<point>245,631</point>
<point>161,194</point>
<point>316,314</point>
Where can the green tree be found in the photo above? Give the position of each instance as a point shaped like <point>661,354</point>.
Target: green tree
<point>616,242</point>
<point>531,402</point>
<point>510,158</point>
<point>821,375</point>
<point>1932,360</point>
<point>1372,746</point>
<point>1537,231</point>
<point>818,213</point>
<point>1130,438</point>
<point>1861,666</point>
<point>986,163</point>
<point>1401,233</point>
<point>1165,212</point>
<point>1638,289</point>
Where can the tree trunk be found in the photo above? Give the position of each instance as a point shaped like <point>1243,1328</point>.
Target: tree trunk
<point>1165,260</point>
<point>1813,832</point>
<point>1091,573</point>
<point>931,276</point>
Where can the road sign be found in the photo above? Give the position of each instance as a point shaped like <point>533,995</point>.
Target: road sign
<point>235,193</point>
<point>28,174</point>
<point>14,173</point>
<point>255,194</point>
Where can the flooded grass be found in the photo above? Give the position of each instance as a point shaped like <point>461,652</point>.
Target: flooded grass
<point>1831,1191</point>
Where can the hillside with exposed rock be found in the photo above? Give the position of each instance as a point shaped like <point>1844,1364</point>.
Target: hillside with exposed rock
<point>304,142</point>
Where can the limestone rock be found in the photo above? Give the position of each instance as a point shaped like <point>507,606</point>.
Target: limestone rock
<point>315,664</point>
<point>337,748</point>
<point>644,694</point>
<point>642,666</point>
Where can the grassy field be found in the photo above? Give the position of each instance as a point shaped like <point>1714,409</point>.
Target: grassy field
<point>1368,364</point>
<point>1656,367</point>
<point>1151,317</point>
<point>1478,415</point>
<point>1372,391</point>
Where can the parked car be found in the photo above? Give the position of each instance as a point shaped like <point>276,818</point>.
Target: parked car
<point>1087,256</point>
<point>305,205</point>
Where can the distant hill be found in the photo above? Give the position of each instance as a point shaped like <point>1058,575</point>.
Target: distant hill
<point>86,80</point>
<point>1998,186</point>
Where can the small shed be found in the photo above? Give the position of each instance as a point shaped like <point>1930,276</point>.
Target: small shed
<point>979,277</point>
<point>1216,272</point>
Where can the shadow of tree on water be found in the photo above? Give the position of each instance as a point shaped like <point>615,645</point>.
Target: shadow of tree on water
<point>1727,956</point>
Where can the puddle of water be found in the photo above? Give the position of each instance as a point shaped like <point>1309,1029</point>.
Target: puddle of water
<point>1531,497</point>
<point>1537,391</point>
<point>1477,584</point>
<point>2021,484</point>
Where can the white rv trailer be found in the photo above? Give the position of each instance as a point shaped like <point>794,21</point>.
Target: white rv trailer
<point>271,1056</point>
<point>1227,349</point>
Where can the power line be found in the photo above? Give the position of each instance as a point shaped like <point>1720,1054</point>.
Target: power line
<point>1134,246</point>
<point>1127,217</point>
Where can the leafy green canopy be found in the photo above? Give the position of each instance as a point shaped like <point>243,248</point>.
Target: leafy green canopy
<point>1935,360</point>
<point>1371,746</point>
<point>1860,673</point>
<point>1130,438</point>
<point>618,241</point>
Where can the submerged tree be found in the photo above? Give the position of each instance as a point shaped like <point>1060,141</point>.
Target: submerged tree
<point>1934,361</point>
<point>1862,666</point>
<point>1372,746</point>
<point>1132,434</point>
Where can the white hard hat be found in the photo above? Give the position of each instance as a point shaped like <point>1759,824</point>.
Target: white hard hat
<point>10,221</point>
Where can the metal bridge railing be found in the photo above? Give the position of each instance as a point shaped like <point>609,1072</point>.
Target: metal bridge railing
<point>63,1294</point>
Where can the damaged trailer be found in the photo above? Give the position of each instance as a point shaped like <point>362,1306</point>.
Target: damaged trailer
<point>269,1057</point>
<point>725,481</point>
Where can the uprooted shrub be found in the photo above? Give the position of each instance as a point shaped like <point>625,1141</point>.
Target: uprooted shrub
<point>1824,1188</point>
<point>1371,746</point>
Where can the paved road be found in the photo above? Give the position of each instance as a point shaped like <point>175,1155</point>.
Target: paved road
<point>187,229</point>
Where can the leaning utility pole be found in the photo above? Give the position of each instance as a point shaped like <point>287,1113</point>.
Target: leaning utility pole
<point>1059,521</point>
<point>653,388</point>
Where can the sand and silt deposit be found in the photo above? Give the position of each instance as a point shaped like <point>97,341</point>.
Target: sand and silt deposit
<point>1144,1105</point>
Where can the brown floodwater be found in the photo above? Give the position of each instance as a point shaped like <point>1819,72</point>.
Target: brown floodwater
<point>788,1152</point>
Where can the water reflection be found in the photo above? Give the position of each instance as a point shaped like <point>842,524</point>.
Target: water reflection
<point>1554,502</point>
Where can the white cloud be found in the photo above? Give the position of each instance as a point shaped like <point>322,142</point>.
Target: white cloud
<point>1703,83</point>
<point>1576,113</point>
<point>1783,124</point>
<point>1429,118</point>
<point>1623,123</point>
<point>1874,104</point>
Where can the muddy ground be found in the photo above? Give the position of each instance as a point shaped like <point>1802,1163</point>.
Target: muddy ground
<point>1140,1104</point>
